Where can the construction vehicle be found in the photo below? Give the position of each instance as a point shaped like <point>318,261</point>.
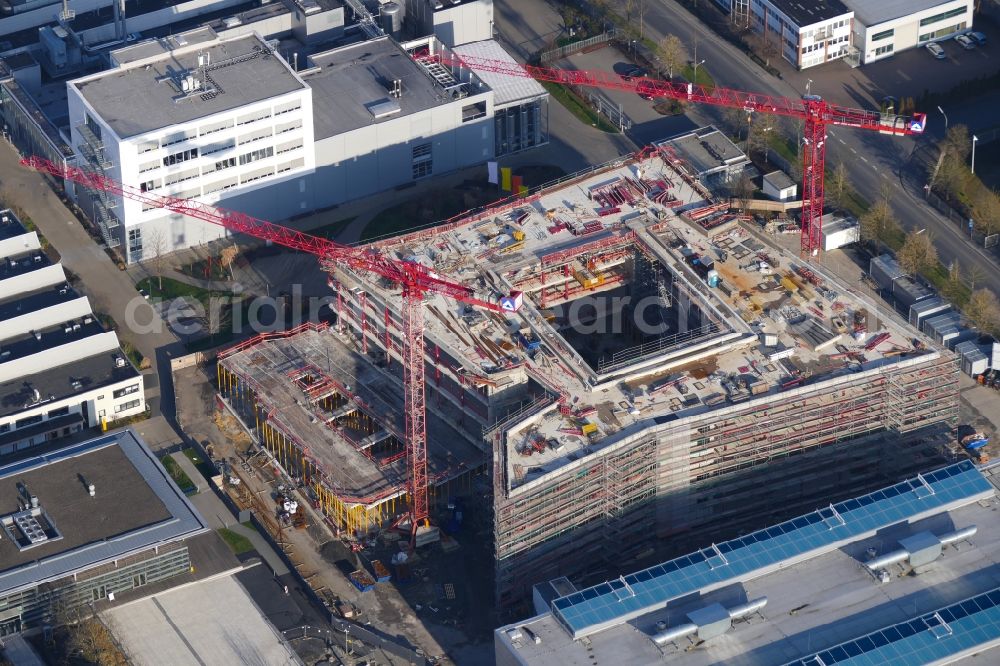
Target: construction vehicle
<point>975,446</point>
<point>815,113</point>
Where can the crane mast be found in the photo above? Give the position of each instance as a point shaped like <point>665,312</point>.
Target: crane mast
<point>415,280</point>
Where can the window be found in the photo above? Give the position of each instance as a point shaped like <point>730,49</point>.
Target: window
<point>135,244</point>
<point>149,166</point>
<point>255,136</point>
<point>5,427</point>
<point>423,161</point>
<point>61,411</point>
<point>473,111</point>
<point>182,156</point>
<point>281,128</point>
<point>179,137</point>
<point>257,175</point>
<point>942,32</point>
<point>879,36</point>
<point>942,16</point>
<point>882,50</point>
<point>222,164</point>
<point>253,117</point>
<point>222,185</point>
<point>125,406</point>
<point>147,146</point>
<point>289,147</point>
<point>256,155</point>
<point>148,185</point>
<point>218,147</point>
<point>181,176</point>
<point>294,164</point>
<point>287,107</point>
<point>28,420</point>
<point>134,388</point>
<point>215,127</point>
<point>139,580</point>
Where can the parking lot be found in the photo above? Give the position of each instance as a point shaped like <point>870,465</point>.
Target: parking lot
<point>909,73</point>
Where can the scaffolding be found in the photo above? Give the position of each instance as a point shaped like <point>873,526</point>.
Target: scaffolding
<point>725,469</point>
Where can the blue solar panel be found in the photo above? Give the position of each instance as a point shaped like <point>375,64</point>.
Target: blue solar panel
<point>588,610</point>
<point>930,637</point>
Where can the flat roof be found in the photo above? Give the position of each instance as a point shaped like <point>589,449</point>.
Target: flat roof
<point>808,12</point>
<point>34,301</point>
<point>211,622</point>
<point>706,151</point>
<point>600,606</point>
<point>353,79</point>
<point>27,345</point>
<point>58,383</point>
<point>873,12</point>
<point>10,226</point>
<point>134,99</point>
<point>164,45</point>
<point>779,179</point>
<point>816,598</point>
<point>135,507</point>
<point>506,89</point>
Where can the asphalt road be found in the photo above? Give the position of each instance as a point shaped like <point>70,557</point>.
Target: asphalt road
<point>871,159</point>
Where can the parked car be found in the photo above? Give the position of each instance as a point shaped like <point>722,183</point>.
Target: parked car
<point>633,73</point>
<point>978,37</point>
<point>936,50</point>
<point>965,42</point>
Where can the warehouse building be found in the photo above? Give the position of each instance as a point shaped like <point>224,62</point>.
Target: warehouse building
<point>61,371</point>
<point>806,32</point>
<point>90,523</point>
<point>903,575</point>
<point>884,27</point>
<point>643,398</point>
<point>228,122</point>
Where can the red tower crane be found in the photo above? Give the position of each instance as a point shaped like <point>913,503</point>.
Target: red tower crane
<point>415,280</point>
<point>815,113</point>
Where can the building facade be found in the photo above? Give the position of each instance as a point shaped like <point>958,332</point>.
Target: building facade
<point>806,33</point>
<point>883,28</point>
<point>307,140</point>
<point>207,127</point>
<point>61,370</point>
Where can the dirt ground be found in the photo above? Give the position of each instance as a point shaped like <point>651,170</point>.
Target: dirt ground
<point>420,612</point>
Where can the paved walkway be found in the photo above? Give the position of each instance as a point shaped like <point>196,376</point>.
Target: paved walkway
<point>218,515</point>
<point>110,290</point>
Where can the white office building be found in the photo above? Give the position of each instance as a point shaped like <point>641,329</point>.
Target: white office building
<point>201,121</point>
<point>884,27</point>
<point>806,32</point>
<point>229,123</point>
<point>61,371</point>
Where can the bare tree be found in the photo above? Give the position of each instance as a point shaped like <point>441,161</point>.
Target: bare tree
<point>836,187</point>
<point>154,245</point>
<point>671,53</point>
<point>759,132</point>
<point>976,274</point>
<point>763,47</point>
<point>917,254</point>
<point>954,285</point>
<point>227,257</point>
<point>983,310</point>
<point>957,142</point>
<point>986,210</point>
<point>743,190</point>
<point>877,223</point>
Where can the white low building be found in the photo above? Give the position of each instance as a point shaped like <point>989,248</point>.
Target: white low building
<point>61,371</point>
<point>884,27</point>
<point>778,186</point>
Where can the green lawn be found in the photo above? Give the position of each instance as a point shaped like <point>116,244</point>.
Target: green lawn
<point>238,543</point>
<point>704,77</point>
<point>179,476</point>
<point>199,461</point>
<point>578,107</point>
<point>176,289</point>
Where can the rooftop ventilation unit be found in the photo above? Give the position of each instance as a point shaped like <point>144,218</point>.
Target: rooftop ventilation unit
<point>918,550</point>
<point>708,622</point>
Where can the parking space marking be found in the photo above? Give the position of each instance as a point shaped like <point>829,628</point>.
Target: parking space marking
<point>864,159</point>
<point>842,141</point>
<point>854,151</point>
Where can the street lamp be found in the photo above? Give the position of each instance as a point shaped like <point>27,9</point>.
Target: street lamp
<point>696,70</point>
<point>945,118</point>
<point>808,86</point>
<point>975,139</point>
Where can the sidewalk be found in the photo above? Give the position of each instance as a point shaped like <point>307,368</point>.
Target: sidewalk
<point>218,515</point>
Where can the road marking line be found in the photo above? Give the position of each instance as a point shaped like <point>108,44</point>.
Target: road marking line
<point>842,141</point>
<point>864,159</point>
<point>854,151</point>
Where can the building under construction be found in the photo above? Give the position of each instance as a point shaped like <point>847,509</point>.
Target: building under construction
<point>667,379</point>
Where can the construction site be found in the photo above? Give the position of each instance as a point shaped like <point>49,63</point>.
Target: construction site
<point>654,378</point>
